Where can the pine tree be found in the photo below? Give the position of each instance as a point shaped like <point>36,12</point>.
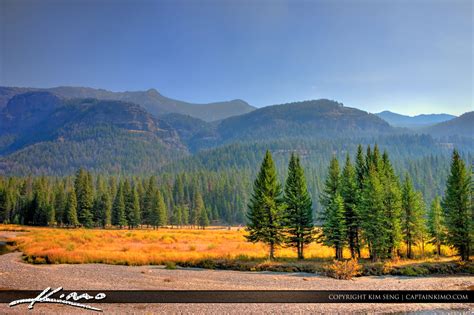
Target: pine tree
<point>412,215</point>
<point>349,193</point>
<point>392,205</point>
<point>374,225</point>
<point>107,204</point>
<point>203,219</point>
<point>159,215</point>
<point>149,201</point>
<point>334,227</point>
<point>436,228</point>
<point>85,197</point>
<point>133,208</point>
<point>60,201</point>
<point>4,205</point>
<point>266,208</point>
<point>71,209</point>
<point>198,207</point>
<point>299,213</point>
<point>118,209</point>
<point>458,210</point>
<point>103,209</point>
<point>177,217</point>
<point>40,203</point>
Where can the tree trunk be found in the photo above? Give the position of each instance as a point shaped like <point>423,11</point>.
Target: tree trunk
<point>300,250</point>
<point>272,250</point>
<point>409,251</point>
<point>357,244</point>
<point>352,246</point>
<point>339,252</point>
<point>374,257</point>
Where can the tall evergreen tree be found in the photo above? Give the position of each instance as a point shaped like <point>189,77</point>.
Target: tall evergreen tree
<point>203,219</point>
<point>119,217</point>
<point>177,217</point>
<point>436,228</point>
<point>103,211</point>
<point>412,215</point>
<point>392,205</point>
<point>334,227</point>
<point>71,209</point>
<point>85,197</point>
<point>299,213</point>
<point>458,210</point>
<point>349,193</point>
<point>198,207</point>
<point>149,201</point>
<point>133,208</point>
<point>373,219</point>
<point>266,209</point>
<point>159,215</point>
<point>60,201</point>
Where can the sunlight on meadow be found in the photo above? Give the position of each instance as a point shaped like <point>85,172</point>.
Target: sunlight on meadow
<point>143,247</point>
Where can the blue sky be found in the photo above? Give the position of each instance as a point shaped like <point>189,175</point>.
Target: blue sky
<point>406,56</point>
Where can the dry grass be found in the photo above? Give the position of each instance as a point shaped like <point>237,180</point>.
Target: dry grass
<point>144,247</point>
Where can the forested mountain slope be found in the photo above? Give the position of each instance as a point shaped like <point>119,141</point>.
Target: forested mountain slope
<point>66,134</point>
<point>459,126</point>
<point>309,119</point>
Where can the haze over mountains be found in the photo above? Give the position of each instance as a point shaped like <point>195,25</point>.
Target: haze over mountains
<point>418,121</point>
<point>55,131</point>
<point>155,103</point>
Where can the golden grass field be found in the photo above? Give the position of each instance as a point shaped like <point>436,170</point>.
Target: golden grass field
<point>146,246</point>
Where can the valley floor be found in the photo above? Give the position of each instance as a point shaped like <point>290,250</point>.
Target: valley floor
<point>15,274</point>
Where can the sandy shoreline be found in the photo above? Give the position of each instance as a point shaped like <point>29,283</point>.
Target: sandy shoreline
<point>15,274</point>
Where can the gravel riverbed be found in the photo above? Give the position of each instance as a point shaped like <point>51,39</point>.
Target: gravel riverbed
<point>15,274</point>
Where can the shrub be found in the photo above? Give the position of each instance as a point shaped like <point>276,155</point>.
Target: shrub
<point>343,270</point>
<point>414,271</point>
<point>374,269</point>
<point>170,265</point>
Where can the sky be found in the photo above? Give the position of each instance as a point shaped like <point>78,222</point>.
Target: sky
<point>407,56</point>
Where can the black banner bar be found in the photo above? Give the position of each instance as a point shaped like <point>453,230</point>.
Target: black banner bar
<point>256,296</point>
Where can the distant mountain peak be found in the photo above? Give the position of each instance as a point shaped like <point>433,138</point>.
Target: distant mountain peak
<point>415,122</point>
<point>153,92</point>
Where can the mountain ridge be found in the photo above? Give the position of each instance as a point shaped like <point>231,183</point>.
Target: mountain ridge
<point>460,126</point>
<point>154,102</point>
<point>414,122</point>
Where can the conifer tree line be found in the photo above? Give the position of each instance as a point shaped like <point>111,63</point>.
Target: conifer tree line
<point>84,200</point>
<point>366,204</point>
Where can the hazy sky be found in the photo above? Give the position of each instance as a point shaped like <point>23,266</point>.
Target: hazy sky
<point>408,56</point>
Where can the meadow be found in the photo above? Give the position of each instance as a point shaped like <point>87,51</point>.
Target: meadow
<point>216,247</point>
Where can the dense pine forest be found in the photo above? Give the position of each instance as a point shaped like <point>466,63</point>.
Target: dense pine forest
<point>360,199</point>
<point>363,205</point>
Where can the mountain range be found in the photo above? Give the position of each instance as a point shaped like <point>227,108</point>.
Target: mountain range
<point>55,131</point>
<point>151,100</point>
<point>415,122</point>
